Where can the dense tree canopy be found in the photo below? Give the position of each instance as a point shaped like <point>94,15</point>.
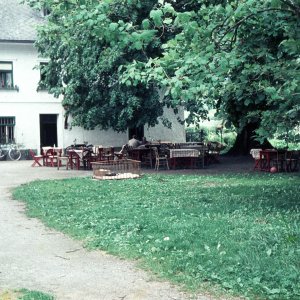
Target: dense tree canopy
<point>241,57</point>
<point>87,42</point>
<point>110,58</point>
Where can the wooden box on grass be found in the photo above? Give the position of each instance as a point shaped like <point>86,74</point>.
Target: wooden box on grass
<point>116,169</point>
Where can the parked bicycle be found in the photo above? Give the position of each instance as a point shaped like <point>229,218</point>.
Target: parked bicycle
<point>12,150</point>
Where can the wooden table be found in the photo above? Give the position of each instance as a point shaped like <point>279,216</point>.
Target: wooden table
<point>139,153</point>
<point>203,151</point>
<point>183,155</point>
<point>77,156</point>
<point>50,155</point>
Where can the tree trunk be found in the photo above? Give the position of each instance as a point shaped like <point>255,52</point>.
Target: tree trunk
<point>245,141</point>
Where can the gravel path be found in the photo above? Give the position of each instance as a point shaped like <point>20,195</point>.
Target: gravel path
<point>35,257</point>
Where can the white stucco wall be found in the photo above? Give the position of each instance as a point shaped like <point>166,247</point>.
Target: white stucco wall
<point>174,134</point>
<point>27,104</point>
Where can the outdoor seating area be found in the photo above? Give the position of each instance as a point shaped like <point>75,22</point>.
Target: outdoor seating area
<point>167,155</point>
<point>275,160</point>
<point>156,155</point>
<point>70,158</point>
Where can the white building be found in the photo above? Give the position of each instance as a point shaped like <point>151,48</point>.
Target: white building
<point>33,117</point>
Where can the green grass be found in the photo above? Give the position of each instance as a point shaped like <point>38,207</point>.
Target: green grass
<point>238,232</point>
<point>34,295</point>
<point>24,294</point>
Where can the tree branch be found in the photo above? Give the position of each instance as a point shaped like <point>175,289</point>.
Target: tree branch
<point>292,5</point>
<point>240,22</point>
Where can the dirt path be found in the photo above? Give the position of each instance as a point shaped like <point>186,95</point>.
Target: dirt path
<point>34,257</point>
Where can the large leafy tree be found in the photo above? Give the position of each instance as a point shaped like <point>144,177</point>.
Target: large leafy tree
<point>241,57</point>
<point>110,60</point>
<point>87,42</point>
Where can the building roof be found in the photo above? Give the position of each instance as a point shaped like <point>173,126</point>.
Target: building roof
<point>18,22</point>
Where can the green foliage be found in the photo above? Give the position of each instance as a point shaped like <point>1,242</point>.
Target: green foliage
<point>241,57</point>
<point>33,295</point>
<point>112,57</point>
<point>206,134</point>
<point>240,233</point>
<point>97,38</point>
<point>196,134</point>
<point>288,139</point>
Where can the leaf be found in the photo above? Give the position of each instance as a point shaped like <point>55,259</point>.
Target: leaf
<point>168,21</point>
<point>146,24</point>
<point>156,15</point>
<point>113,26</point>
<point>138,45</point>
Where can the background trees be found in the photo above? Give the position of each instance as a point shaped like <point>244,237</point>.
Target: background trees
<point>110,58</point>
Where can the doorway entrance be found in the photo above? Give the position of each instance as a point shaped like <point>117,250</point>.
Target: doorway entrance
<point>48,130</point>
<point>138,131</point>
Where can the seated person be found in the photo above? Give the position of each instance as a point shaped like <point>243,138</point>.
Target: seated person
<point>134,142</point>
<point>144,141</point>
<point>123,152</point>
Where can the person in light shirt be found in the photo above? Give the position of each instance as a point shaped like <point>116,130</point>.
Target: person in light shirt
<point>134,142</point>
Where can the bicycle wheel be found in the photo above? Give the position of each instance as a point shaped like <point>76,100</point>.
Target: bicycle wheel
<point>2,153</point>
<point>14,154</point>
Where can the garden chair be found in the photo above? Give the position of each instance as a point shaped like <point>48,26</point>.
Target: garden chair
<point>255,153</point>
<point>87,158</point>
<point>74,159</point>
<point>148,158</point>
<point>108,153</point>
<point>36,158</point>
<point>123,153</point>
<point>202,156</point>
<point>51,157</point>
<point>97,153</point>
<point>160,159</point>
<point>291,161</point>
<point>214,149</point>
<point>61,158</point>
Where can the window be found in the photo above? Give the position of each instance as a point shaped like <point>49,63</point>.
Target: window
<point>138,131</point>
<point>6,75</point>
<point>7,129</point>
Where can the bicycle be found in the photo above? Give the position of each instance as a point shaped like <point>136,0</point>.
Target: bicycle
<point>12,150</point>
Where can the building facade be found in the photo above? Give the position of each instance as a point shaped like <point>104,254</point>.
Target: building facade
<point>33,117</point>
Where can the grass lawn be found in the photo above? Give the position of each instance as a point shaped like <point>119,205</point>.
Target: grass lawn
<point>240,233</point>
<point>24,294</point>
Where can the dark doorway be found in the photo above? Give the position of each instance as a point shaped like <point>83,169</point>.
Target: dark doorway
<point>138,131</point>
<point>48,130</point>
